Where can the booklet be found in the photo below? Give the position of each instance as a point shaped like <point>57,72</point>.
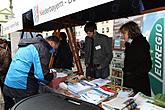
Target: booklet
<point>79,87</point>
<point>94,96</point>
<point>119,103</point>
<point>100,82</point>
<point>125,92</point>
<point>149,106</point>
<point>109,87</point>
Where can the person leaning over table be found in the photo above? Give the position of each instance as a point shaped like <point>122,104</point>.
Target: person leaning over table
<point>137,62</point>
<point>98,52</point>
<point>30,65</point>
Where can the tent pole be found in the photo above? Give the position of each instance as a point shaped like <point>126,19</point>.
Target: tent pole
<point>74,50</point>
<point>56,33</point>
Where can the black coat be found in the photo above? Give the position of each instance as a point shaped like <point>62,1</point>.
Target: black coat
<point>137,64</point>
<point>64,57</point>
<point>102,50</point>
<point>102,55</point>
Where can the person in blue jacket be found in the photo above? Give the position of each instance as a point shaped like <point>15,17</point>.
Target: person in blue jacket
<point>30,65</point>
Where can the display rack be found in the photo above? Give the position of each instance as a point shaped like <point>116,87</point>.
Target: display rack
<point>116,66</point>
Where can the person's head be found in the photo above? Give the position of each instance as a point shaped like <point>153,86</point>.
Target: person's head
<point>3,43</point>
<point>90,29</point>
<point>53,41</point>
<point>130,30</point>
<point>39,35</point>
<point>63,36</point>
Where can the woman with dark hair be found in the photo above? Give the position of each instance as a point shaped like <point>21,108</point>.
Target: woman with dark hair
<point>137,62</point>
<point>64,57</point>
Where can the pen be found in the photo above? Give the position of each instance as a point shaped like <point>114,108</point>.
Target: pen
<point>84,97</point>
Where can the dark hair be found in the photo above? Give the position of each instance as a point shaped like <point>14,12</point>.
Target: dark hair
<point>132,28</point>
<point>3,41</point>
<point>90,27</point>
<point>53,38</point>
<point>63,35</point>
<point>39,35</point>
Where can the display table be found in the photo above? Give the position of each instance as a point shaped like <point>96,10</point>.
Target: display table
<point>69,93</point>
<point>108,102</point>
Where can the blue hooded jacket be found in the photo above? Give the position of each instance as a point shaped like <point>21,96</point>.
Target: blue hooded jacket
<point>29,65</point>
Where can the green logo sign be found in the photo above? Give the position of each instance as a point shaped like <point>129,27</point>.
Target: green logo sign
<point>156,40</point>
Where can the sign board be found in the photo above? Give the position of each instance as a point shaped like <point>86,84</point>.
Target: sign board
<point>13,25</point>
<point>52,9</point>
<point>154,30</point>
<point>14,42</point>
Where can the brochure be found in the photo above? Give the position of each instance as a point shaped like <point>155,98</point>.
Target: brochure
<point>100,82</point>
<point>119,103</point>
<point>149,106</point>
<point>94,96</point>
<point>78,88</point>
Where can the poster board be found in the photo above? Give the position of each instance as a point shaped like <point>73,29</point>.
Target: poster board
<point>154,30</point>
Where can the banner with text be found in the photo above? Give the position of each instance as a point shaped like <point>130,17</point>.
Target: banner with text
<point>13,25</point>
<point>53,9</point>
<point>154,30</point>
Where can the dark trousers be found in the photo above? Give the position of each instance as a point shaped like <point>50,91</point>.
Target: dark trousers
<point>12,96</point>
<point>93,72</point>
<point>138,83</point>
<point>9,102</point>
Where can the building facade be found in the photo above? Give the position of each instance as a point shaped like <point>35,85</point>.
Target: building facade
<point>104,27</point>
<point>5,15</point>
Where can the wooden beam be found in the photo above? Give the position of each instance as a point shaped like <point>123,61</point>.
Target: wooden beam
<point>51,61</point>
<point>74,50</point>
<point>153,10</point>
<point>56,32</point>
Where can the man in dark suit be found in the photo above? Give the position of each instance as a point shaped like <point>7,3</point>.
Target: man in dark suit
<point>98,52</point>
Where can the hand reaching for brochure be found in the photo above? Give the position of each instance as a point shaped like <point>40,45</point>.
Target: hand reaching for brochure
<point>56,81</point>
<point>54,74</point>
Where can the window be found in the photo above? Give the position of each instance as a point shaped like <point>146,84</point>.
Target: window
<point>102,30</point>
<point>6,17</point>
<point>107,29</point>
